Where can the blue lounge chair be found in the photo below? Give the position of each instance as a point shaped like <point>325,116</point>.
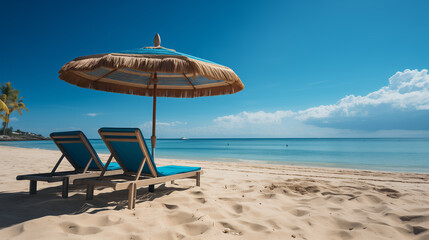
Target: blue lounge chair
<point>130,151</point>
<point>76,148</point>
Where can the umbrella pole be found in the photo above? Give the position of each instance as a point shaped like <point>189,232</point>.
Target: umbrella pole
<point>153,138</point>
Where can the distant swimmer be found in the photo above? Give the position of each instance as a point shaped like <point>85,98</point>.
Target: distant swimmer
<point>227,144</point>
<point>287,145</point>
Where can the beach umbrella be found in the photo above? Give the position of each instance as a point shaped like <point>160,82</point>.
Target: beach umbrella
<point>152,71</point>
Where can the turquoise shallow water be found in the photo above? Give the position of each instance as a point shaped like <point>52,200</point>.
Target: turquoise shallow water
<point>392,154</point>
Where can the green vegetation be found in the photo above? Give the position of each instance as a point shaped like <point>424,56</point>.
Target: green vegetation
<point>10,101</point>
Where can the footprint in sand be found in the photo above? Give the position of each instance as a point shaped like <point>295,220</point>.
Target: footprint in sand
<point>254,226</point>
<point>334,199</point>
<point>74,228</point>
<point>299,212</point>
<point>273,224</point>
<point>197,193</point>
<point>392,193</point>
<point>343,234</point>
<point>371,198</point>
<point>201,200</point>
<point>179,217</point>
<point>107,221</point>
<point>170,206</point>
<point>238,208</point>
<point>194,229</point>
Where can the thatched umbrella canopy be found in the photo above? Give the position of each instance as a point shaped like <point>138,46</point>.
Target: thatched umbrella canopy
<point>152,71</point>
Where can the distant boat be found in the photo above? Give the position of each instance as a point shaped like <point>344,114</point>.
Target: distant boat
<point>183,138</point>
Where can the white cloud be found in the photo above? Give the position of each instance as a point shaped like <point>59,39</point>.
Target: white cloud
<point>400,109</point>
<point>92,114</point>
<point>402,104</point>
<point>407,91</point>
<point>165,129</point>
<point>254,117</point>
<point>163,124</point>
<point>170,124</point>
<point>13,119</point>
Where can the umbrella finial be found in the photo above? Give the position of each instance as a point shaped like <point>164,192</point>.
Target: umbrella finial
<point>157,40</point>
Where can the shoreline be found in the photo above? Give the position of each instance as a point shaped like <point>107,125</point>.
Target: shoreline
<point>266,166</point>
<point>257,162</point>
<point>235,201</point>
<point>23,138</point>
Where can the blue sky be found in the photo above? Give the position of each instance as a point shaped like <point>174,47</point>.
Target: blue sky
<point>310,68</point>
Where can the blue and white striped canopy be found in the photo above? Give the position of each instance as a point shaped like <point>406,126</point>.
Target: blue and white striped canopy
<point>136,71</point>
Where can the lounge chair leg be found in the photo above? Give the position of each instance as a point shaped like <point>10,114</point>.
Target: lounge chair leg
<point>89,192</point>
<point>151,188</point>
<point>198,178</point>
<point>33,187</point>
<point>132,192</point>
<point>172,181</point>
<point>65,187</point>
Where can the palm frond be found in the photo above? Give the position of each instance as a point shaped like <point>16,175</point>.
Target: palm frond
<point>22,106</point>
<point>3,107</point>
<point>10,101</point>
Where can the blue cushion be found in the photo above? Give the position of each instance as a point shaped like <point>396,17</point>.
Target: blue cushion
<point>173,169</point>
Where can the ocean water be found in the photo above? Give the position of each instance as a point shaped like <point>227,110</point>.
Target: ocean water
<point>384,154</point>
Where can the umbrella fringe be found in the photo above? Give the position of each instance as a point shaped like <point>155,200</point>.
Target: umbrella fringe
<point>75,79</point>
<point>151,63</point>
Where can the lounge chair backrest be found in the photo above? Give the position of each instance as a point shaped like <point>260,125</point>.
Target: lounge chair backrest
<point>129,149</point>
<point>77,150</point>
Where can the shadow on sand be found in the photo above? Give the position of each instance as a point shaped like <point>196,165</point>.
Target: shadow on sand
<point>19,207</point>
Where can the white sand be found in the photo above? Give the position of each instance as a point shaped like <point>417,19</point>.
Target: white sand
<point>235,201</point>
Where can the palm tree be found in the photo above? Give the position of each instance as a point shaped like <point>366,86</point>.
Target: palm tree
<point>10,97</point>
